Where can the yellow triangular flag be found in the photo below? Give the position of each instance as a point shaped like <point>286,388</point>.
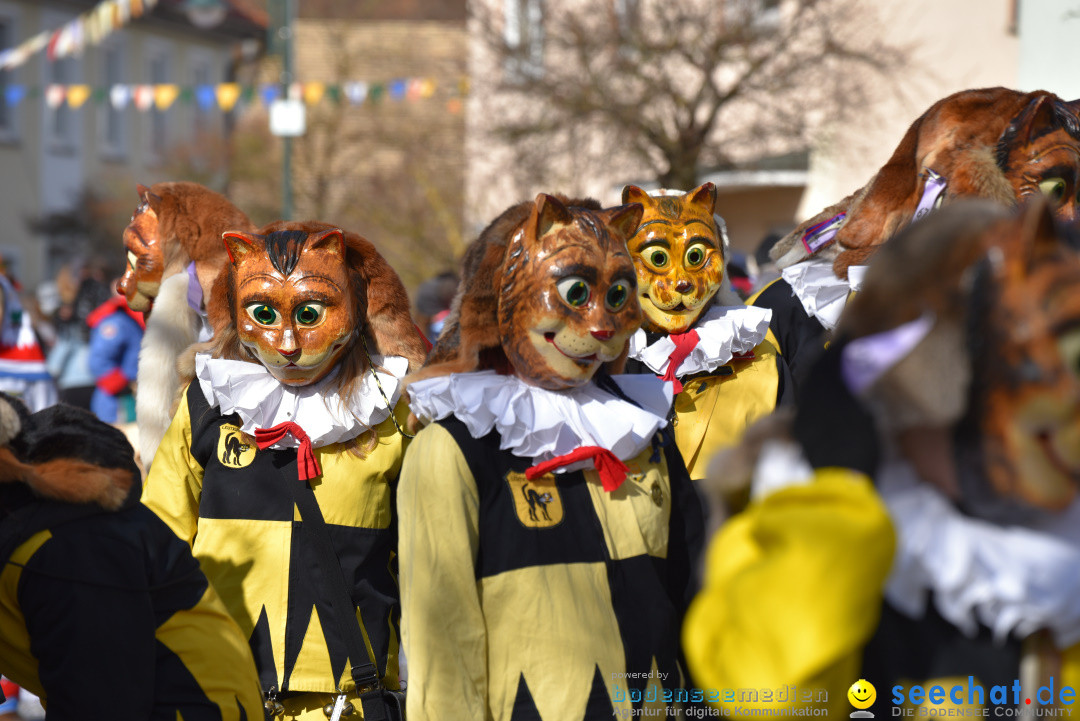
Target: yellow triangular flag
<point>164,95</point>
<point>227,95</point>
<point>313,92</point>
<point>77,95</point>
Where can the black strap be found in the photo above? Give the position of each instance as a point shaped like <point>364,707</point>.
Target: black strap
<point>365,675</point>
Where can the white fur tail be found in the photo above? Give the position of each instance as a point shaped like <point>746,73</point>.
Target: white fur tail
<point>172,327</point>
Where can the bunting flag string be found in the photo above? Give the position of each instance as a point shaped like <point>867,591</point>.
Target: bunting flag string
<point>227,96</point>
<point>88,29</point>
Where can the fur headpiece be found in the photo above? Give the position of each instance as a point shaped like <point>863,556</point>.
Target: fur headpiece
<point>967,139</point>
<point>66,454</point>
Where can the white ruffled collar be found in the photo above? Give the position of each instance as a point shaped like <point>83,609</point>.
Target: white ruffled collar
<point>722,332</point>
<point>1012,579</point>
<point>541,424</point>
<point>823,295</point>
<point>261,401</point>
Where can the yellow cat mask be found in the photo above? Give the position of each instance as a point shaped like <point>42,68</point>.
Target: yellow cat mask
<point>678,255</point>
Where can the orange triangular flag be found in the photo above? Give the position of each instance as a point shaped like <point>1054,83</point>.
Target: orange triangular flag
<point>227,95</point>
<point>313,92</point>
<point>77,95</point>
<point>165,95</point>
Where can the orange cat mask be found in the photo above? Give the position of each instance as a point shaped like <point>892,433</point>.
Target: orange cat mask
<point>678,254</point>
<point>292,302</point>
<point>296,298</point>
<point>548,293</point>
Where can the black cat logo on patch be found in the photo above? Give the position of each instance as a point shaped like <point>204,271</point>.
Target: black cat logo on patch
<point>233,451</point>
<point>537,502</point>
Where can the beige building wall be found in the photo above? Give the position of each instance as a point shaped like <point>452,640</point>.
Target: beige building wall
<point>953,46</point>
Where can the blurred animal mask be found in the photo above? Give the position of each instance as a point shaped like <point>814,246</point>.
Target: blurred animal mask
<point>678,255</point>
<point>1002,361</point>
<point>296,297</point>
<point>548,293</point>
<point>1026,367</point>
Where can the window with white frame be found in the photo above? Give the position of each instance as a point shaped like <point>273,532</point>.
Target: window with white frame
<point>113,118</point>
<point>7,113</point>
<point>158,137</point>
<point>61,120</point>
<point>524,36</point>
<point>201,76</point>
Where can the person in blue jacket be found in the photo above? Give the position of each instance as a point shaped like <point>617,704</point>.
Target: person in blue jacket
<point>115,334</point>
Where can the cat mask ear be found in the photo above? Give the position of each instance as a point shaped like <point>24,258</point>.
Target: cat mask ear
<point>549,213</point>
<point>625,219</point>
<point>238,245</point>
<point>634,194</point>
<point>332,240</point>
<point>703,196</point>
<point>149,197</point>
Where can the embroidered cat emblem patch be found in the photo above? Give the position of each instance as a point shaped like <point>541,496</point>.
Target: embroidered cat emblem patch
<point>233,451</point>
<point>537,502</point>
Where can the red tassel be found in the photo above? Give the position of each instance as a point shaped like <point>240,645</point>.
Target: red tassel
<point>684,344</point>
<point>306,465</point>
<point>612,471</point>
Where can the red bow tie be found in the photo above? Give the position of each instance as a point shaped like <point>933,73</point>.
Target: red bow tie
<point>306,465</point>
<point>684,344</point>
<point>612,471</point>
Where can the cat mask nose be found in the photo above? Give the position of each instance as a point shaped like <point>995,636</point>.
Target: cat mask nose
<point>684,286</point>
<point>603,334</point>
<point>289,355</point>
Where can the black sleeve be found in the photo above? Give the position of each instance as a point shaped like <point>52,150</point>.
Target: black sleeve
<point>785,385</point>
<point>832,425</point>
<point>686,529</point>
<point>799,334</point>
<point>86,601</point>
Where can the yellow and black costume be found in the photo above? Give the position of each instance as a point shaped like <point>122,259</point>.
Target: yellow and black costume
<point>217,491</point>
<point>96,590</point>
<point>549,598</point>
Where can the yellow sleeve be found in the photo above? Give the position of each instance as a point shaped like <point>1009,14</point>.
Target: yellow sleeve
<point>442,621</point>
<point>174,484</point>
<point>792,592</point>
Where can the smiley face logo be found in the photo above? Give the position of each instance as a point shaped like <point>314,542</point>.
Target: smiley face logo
<point>862,694</point>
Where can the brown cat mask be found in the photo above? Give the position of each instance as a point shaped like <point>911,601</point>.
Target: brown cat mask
<point>678,254</point>
<point>174,224</point>
<point>992,143</point>
<point>296,297</point>
<point>548,293</point>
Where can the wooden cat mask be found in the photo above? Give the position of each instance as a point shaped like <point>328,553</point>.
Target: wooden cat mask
<point>174,224</point>
<point>992,143</point>
<point>296,297</point>
<point>548,293</point>
<point>678,254</point>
